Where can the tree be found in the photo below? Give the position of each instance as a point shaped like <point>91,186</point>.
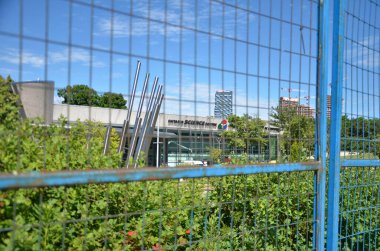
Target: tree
<point>85,95</point>
<point>215,154</point>
<point>360,135</point>
<point>246,130</point>
<point>112,100</point>
<point>9,111</point>
<point>297,137</point>
<point>78,95</point>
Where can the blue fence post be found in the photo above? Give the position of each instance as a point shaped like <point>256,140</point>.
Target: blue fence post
<point>321,124</point>
<point>336,113</point>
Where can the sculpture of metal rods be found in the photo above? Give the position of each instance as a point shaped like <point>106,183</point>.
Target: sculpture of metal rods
<point>140,138</point>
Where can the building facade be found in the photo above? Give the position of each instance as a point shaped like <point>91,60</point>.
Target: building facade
<point>223,104</point>
<point>303,110</point>
<point>181,138</point>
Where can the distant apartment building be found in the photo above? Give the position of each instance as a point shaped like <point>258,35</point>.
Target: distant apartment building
<point>223,104</point>
<point>328,106</point>
<point>304,110</point>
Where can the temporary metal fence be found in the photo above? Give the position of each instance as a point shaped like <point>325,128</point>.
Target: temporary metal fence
<point>246,97</point>
<point>353,203</point>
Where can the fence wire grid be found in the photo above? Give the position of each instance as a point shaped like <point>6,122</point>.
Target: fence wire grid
<point>359,194</point>
<point>228,100</point>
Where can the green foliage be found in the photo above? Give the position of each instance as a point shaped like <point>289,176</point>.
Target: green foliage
<point>35,147</point>
<point>255,212</point>
<point>297,138</point>
<point>215,154</point>
<point>141,161</point>
<point>298,152</point>
<point>360,135</point>
<point>245,132</point>
<point>112,100</point>
<point>78,95</point>
<point>240,159</point>
<point>360,195</point>
<point>85,95</point>
<point>9,111</point>
<point>263,209</point>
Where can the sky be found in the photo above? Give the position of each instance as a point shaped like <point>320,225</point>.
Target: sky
<point>260,50</point>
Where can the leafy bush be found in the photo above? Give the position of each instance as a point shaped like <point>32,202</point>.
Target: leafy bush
<point>215,154</point>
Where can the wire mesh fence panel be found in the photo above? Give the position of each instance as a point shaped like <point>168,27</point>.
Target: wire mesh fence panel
<point>247,212</point>
<point>238,76</point>
<point>359,211</point>
<point>361,91</point>
<point>360,124</point>
<point>92,88</point>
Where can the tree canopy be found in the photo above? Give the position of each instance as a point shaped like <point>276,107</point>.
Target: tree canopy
<point>9,112</point>
<point>297,138</point>
<point>112,100</point>
<point>85,95</point>
<point>246,131</point>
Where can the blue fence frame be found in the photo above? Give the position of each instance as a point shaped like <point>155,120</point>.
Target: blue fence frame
<point>336,114</point>
<point>69,178</point>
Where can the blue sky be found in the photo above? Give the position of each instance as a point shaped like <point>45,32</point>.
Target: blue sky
<point>260,50</point>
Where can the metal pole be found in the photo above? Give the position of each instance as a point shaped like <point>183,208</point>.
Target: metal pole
<point>107,137</point>
<point>336,114</point>
<point>153,92</point>
<point>321,125</point>
<point>141,139</point>
<point>132,99</point>
<point>158,142</point>
<point>138,120</point>
<point>146,130</point>
<point>133,143</point>
<point>139,109</point>
<point>148,122</point>
<point>126,122</point>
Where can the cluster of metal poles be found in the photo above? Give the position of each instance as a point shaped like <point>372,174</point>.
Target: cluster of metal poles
<point>132,144</point>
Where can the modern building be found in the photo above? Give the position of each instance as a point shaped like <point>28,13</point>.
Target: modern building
<point>328,106</point>
<point>223,104</point>
<point>304,110</point>
<point>182,138</point>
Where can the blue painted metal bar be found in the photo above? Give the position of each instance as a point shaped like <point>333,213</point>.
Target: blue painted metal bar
<point>315,182</point>
<point>336,114</point>
<point>321,122</point>
<point>360,162</point>
<point>65,178</point>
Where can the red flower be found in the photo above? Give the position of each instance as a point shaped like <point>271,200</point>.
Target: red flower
<point>188,231</point>
<point>157,247</point>
<point>132,233</point>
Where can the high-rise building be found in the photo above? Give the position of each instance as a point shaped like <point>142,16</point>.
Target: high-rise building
<point>304,110</point>
<point>223,104</point>
<point>328,106</point>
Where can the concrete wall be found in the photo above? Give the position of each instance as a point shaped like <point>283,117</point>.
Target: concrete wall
<point>116,117</point>
<point>37,99</point>
<point>81,112</point>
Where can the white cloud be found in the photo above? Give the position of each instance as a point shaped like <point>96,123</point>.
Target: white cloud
<point>77,56</point>
<point>12,56</point>
<point>119,27</point>
<point>57,100</point>
<point>120,24</point>
<point>363,53</point>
